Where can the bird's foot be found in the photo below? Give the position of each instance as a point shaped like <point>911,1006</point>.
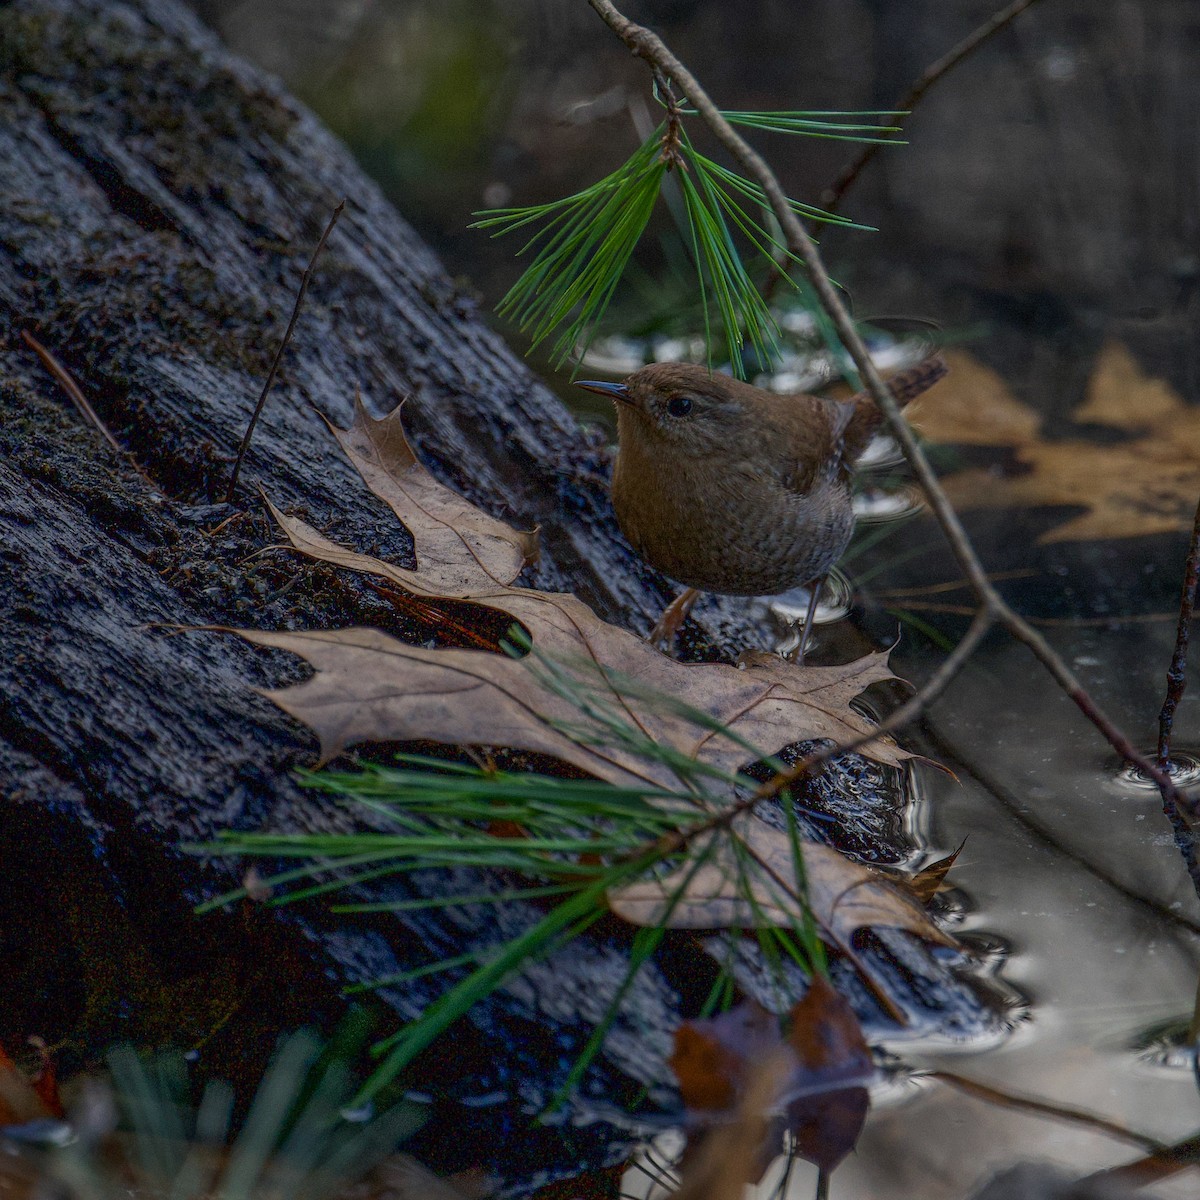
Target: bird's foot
<point>796,654</point>
<point>666,630</point>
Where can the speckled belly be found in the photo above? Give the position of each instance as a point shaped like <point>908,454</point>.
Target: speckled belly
<point>760,546</point>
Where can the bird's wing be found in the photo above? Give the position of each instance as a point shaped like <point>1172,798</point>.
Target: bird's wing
<point>817,453</point>
<point>904,386</point>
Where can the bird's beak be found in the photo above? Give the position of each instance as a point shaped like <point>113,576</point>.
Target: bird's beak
<point>614,391</point>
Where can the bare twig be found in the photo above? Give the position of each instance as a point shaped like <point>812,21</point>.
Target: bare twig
<point>651,48</point>
<point>902,605</point>
<point>954,585</point>
<point>1177,671</point>
<point>1044,1108</point>
<point>937,683</point>
<point>83,406</point>
<point>283,345</point>
<point>912,708</point>
<point>67,382</point>
<point>1158,1166</point>
<point>671,138</point>
<point>833,195</point>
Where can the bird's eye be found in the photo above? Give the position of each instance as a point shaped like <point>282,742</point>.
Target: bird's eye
<point>679,406</point>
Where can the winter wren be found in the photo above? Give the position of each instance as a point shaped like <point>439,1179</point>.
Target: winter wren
<point>728,488</point>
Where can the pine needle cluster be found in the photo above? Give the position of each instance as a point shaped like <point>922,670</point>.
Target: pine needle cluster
<point>581,245</point>
<point>565,844</point>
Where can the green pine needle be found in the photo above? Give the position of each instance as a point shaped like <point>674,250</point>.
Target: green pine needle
<point>565,843</point>
<point>814,124</point>
<point>582,244</point>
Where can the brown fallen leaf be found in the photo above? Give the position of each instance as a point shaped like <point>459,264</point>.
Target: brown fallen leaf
<point>20,1101</point>
<point>603,1183</point>
<point>712,1058</point>
<point>369,686</point>
<point>928,881</point>
<point>825,1126</point>
<point>721,894</point>
<point>455,543</point>
<point>1143,485</point>
<point>828,1039</point>
<point>819,1075</point>
<point>459,547</point>
<point>733,1071</point>
<point>738,1152</point>
<point>827,1115</point>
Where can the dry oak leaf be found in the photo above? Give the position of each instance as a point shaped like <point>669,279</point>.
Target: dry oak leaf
<point>732,1067</point>
<point>820,1073</point>
<point>1144,485</point>
<point>20,1101</point>
<point>722,893</point>
<point>827,1116</point>
<point>460,548</point>
<point>369,686</point>
<point>713,1057</point>
<point>931,879</point>
<point>739,1151</point>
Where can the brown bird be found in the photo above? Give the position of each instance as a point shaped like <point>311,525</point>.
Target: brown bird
<point>728,488</point>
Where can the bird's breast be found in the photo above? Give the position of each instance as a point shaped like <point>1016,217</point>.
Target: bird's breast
<point>734,529</point>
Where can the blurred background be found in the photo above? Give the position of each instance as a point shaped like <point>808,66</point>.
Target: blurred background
<point>1048,190</point>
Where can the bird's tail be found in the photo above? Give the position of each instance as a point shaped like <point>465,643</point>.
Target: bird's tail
<point>905,386</point>
<point>908,385</point>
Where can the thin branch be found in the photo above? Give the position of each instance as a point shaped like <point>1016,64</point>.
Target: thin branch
<point>1106,622</point>
<point>1016,809</point>
<point>912,708</point>
<point>66,381</point>
<point>1177,671</point>
<point>1044,1108</point>
<point>833,195</point>
<point>954,585</point>
<point>283,345</point>
<point>1156,1167</point>
<point>1174,802</point>
<point>650,47</point>
<point>83,406</point>
<point>903,605</point>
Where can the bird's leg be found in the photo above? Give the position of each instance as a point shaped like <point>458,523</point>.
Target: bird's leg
<point>814,594</point>
<point>664,633</point>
